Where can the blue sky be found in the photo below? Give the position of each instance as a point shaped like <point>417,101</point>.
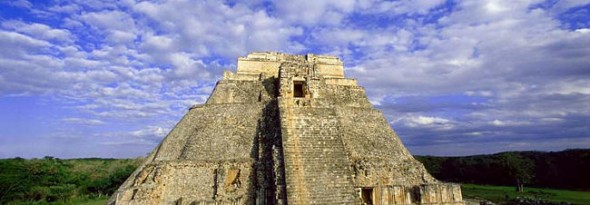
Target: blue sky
<point>86,78</point>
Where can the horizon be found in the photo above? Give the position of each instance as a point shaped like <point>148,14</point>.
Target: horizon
<point>94,79</point>
<point>143,157</point>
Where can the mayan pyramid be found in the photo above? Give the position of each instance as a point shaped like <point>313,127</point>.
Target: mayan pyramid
<point>284,129</point>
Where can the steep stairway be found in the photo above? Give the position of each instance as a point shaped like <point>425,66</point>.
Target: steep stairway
<point>316,165</point>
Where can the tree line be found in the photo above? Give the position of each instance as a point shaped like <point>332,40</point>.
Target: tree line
<point>50,179</point>
<point>568,169</point>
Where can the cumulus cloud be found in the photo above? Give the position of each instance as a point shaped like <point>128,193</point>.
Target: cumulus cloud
<point>37,30</point>
<point>499,74</point>
<point>75,120</point>
<point>20,3</point>
<point>514,66</point>
<point>399,7</point>
<point>427,122</point>
<point>312,13</point>
<point>232,31</point>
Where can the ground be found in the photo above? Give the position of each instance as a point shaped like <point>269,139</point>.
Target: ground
<point>497,194</point>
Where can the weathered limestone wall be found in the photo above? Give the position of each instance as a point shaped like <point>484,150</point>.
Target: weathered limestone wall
<point>192,163</point>
<point>243,91</point>
<point>346,96</point>
<point>332,71</point>
<point>246,66</point>
<point>379,161</point>
<point>440,194</point>
<point>284,129</point>
<point>185,182</point>
<point>268,63</point>
<point>327,66</point>
<point>341,81</point>
<point>219,153</point>
<point>366,135</point>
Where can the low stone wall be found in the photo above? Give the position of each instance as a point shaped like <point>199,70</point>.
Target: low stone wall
<point>434,194</point>
<point>440,193</point>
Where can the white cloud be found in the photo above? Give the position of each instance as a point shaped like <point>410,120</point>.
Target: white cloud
<point>158,44</point>
<point>21,3</point>
<point>17,41</point>
<point>119,27</point>
<point>111,20</point>
<point>150,131</point>
<point>427,122</point>
<point>82,121</point>
<point>186,66</point>
<point>492,68</point>
<point>69,8</point>
<point>498,123</point>
<point>232,31</point>
<point>562,6</point>
<point>312,13</point>
<point>501,123</point>
<point>38,31</point>
<point>399,7</point>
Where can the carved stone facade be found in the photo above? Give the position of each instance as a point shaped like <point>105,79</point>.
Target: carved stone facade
<point>284,129</point>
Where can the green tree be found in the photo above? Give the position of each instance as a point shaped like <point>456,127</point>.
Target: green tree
<point>518,168</point>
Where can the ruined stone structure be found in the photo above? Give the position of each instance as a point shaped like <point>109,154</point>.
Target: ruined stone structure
<point>284,129</point>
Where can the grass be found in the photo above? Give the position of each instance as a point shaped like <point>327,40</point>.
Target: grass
<point>74,201</point>
<point>97,201</point>
<point>499,194</point>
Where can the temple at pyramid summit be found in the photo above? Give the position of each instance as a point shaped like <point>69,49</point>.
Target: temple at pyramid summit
<point>284,129</point>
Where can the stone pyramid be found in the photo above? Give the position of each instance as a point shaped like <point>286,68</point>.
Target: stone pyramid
<point>284,129</point>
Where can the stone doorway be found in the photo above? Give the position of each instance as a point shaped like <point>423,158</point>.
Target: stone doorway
<point>298,89</point>
<point>367,195</point>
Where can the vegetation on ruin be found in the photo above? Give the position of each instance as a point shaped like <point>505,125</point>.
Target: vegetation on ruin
<point>91,181</point>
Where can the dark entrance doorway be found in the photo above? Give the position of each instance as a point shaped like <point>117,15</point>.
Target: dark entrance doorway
<point>298,89</point>
<point>367,195</point>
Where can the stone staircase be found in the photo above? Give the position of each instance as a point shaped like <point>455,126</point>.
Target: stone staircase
<point>316,164</point>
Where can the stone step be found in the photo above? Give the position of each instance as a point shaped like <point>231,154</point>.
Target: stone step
<point>324,185</point>
<point>315,157</point>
